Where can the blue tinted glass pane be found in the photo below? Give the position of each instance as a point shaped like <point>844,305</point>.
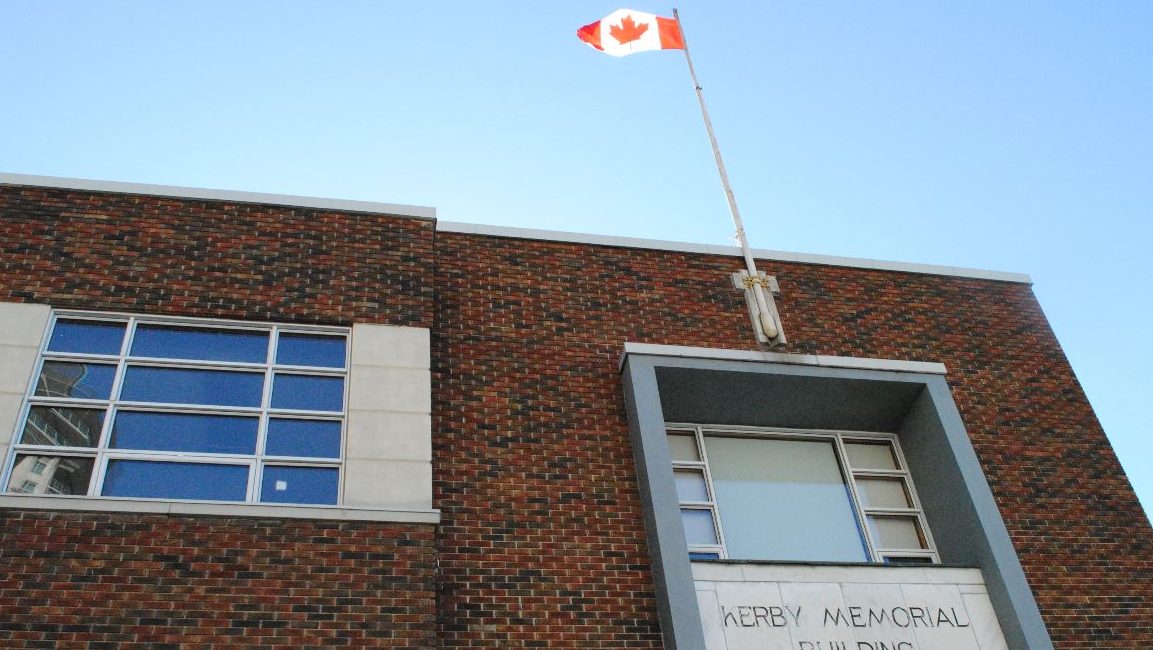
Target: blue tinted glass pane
<point>704,556</point>
<point>200,344</point>
<point>308,393</point>
<point>214,434</point>
<point>153,479</point>
<point>62,426</point>
<point>310,350</point>
<point>90,337</point>
<point>312,438</point>
<point>82,380</point>
<point>299,485</point>
<point>186,386</point>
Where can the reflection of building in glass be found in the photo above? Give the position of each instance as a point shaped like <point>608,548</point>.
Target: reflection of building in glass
<point>65,380</point>
<point>50,475</point>
<point>62,427</point>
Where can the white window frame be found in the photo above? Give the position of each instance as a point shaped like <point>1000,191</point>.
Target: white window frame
<point>849,474</point>
<point>256,462</point>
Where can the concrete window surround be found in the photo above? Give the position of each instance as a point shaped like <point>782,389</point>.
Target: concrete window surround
<point>388,448</point>
<point>912,400</point>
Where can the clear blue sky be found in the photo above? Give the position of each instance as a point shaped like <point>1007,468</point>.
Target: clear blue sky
<point>1008,136</point>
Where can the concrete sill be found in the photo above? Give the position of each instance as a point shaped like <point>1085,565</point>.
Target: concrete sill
<point>196,508</point>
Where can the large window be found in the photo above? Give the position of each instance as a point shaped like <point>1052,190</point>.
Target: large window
<point>184,409</point>
<point>813,496</point>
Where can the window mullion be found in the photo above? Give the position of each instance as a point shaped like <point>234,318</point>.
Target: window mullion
<point>256,476</point>
<point>855,496</point>
<point>699,437</point>
<point>922,521</point>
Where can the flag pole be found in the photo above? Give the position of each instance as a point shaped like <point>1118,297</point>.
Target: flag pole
<point>765,315</point>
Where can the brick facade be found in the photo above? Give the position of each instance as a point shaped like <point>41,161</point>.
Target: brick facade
<point>182,257</point>
<point>541,542</point>
<point>146,581</point>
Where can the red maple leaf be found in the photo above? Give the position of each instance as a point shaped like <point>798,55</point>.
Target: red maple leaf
<point>628,31</point>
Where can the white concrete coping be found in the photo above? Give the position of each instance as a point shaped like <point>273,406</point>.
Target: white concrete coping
<point>656,350</point>
<point>263,511</point>
<point>713,249</point>
<point>429,213</point>
<point>174,191</point>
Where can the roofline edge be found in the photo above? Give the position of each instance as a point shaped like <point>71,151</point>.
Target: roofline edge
<point>176,191</point>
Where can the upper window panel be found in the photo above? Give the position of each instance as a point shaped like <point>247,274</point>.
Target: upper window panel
<point>311,350</point>
<point>195,343</point>
<point>136,407</point>
<point>87,337</point>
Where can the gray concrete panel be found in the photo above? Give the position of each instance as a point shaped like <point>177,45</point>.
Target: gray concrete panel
<point>672,572</point>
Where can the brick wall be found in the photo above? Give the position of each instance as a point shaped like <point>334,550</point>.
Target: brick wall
<point>542,540</point>
<point>126,252</point>
<point>72,580</point>
<point>542,543</point>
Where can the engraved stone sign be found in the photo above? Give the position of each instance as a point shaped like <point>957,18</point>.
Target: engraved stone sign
<point>795,607</point>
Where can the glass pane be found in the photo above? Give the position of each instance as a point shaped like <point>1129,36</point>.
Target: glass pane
<point>691,485</point>
<point>871,455</point>
<point>200,344</point>
<point>188,386</point>
<point>311,350</point>
<point>308,393</point>
<point>896,532</point>
<point>56,475</point>
<point>89,337</point>
<point>683,447</point>
<point>698,555</point>
<point>154,479</point>
<point>62,426</point>
<point>79,380</point>
<point>215,434</point>
<point>883,493</point>
<point>315,485</point>
<point>312,438</point>
<point>699,527</point>
<point>783,500</point>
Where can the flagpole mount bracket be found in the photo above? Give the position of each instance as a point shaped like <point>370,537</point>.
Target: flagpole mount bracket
<point>749,284</point>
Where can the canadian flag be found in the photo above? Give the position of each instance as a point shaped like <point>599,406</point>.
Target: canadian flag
<point>625,31</point>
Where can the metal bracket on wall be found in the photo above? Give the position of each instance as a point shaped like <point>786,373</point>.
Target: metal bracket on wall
<point>744,282</point>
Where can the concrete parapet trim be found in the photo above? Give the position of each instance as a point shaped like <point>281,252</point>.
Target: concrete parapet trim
<point>414,211</point>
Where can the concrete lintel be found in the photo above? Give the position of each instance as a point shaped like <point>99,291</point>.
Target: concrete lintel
<point>656,350</point>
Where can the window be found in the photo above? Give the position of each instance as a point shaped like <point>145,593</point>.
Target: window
<point>184,409</point>
<point>814,496</point>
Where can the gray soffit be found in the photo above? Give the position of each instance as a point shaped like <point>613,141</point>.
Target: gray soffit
<point>415,211</point>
